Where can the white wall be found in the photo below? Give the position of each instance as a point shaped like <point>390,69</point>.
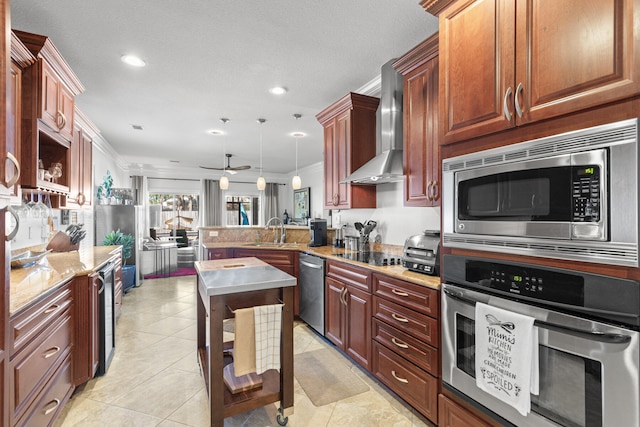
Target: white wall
<point>395,221</point>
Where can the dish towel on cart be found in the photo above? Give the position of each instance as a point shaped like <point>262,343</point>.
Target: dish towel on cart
<point>268,324</point>
<point>507,356</point>
<point>244,345</point>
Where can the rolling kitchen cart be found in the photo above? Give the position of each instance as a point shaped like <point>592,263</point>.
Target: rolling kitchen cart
<point>230,284</point>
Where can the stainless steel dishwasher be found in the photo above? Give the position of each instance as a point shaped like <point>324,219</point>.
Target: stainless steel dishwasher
<point>311,286</point>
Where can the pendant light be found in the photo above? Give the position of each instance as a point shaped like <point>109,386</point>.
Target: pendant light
<point>296,183</point>
<point>261,183</point>
<point>224,181</point>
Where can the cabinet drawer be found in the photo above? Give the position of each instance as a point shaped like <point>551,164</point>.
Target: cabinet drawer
<point>29,322</point>
<point>51,401</point>
<point>410,382</point>
<point>31,371</point>
<point>349,274</point>
<point>415,351</point>
<point>416,297</point>
<point>422,327</point>
<point>276,258</point>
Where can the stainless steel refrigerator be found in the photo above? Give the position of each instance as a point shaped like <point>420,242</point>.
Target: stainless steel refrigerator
<point>130,220</point>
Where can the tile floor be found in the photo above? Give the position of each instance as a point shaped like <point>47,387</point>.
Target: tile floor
<point>154,378</point>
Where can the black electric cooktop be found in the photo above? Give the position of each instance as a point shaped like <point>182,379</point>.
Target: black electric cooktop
<point>373,258</point>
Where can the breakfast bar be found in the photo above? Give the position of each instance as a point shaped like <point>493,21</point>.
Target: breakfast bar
<point>224,286</point>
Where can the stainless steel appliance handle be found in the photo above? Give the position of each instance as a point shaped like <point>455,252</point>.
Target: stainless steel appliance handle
<point>591,335</point>
<point>307,264</point>
<point>101,287</point>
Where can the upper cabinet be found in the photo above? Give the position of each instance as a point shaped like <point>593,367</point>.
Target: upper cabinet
<point>349,142</point>
<point>419,68</point>
<point>80,159</point>
<point>48,90</point>
<point>505,63</point>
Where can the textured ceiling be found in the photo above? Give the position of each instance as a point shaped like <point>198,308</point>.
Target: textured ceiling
<point>208,59</point>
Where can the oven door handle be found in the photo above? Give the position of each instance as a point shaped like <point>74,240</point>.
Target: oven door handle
<point>591,335</point>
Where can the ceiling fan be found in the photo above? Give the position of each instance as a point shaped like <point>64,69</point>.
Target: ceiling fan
<point>232,170</point>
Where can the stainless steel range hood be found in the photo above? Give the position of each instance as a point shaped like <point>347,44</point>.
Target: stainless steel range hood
<point>386,166</point>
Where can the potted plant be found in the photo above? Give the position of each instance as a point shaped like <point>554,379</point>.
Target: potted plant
<point>118,238</point>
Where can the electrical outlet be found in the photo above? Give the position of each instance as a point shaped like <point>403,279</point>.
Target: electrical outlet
<point>213,234</point>
<point>336,220</point>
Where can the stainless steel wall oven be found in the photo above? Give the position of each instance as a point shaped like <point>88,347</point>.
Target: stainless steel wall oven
<point>570,196</point>
<point>587,327</point>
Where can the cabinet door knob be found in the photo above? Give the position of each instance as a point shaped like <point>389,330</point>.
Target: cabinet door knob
<point>81,198</point>
<point>399,293</point>
<point>515,100</point>
<point>400,379</point>
<point>399,343</point>
<point>436,191</point>
<point>429,190</point>
<point>61,121</point>
<point>399,318</point>
<point>505,105</point>
<point>16,175</point>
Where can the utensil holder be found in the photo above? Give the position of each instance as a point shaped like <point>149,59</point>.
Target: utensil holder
<point>61,242</point>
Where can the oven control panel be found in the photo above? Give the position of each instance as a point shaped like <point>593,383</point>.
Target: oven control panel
<point>530,282</point>
<point>586,193</point>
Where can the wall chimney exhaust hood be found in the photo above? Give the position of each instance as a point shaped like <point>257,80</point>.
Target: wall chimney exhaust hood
<point>386,166</point>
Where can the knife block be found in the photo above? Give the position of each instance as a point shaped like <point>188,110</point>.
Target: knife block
<point>61,242</point>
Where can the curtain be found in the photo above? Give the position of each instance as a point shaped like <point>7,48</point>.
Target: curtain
<point>271,208</point>
<point>211,203</point>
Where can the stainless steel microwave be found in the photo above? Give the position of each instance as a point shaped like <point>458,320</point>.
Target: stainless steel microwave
<point>569,196</point>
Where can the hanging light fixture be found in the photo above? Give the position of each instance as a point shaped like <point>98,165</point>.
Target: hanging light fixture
<point>261,183</point>
<point>224,181</point>
<point>296,183</point>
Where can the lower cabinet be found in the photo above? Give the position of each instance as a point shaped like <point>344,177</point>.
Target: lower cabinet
<point>86,347</point>
<point>405,341</point>
<point>218,253</point>
<point>41,353</point>
<point>453,415</point>
<point>348,310</point>
<point>286,261</point>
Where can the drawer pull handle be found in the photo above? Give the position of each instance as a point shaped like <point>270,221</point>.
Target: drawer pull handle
<point>400,379</point>
<point>55,403</point>
<point>399,293</point>
<point>51,352</point>
<point>52,309</point>
<point>399,318</point>
<point>399,343</point>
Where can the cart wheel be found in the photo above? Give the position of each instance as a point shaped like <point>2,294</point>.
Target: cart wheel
<point>281,420</point>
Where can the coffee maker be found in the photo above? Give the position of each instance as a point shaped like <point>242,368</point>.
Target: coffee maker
<point>318,232</point>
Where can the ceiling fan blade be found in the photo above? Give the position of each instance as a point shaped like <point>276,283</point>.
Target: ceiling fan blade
<point>211,168</point>
<point>239,168</point>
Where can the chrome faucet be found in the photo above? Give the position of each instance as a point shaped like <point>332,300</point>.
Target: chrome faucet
<point>283,235</point>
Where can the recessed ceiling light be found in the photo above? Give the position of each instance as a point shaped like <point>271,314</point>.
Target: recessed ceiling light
<point>133,60</point>
<point>298,134</point>
<point>216,132</point>
<point>278,90</point>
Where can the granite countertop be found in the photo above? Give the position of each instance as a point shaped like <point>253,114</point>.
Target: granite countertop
<point>331,252</point>
<point>56,268</point>
<point>235,275</point>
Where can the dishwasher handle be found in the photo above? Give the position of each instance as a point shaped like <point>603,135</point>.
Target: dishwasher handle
<point>308,264</point>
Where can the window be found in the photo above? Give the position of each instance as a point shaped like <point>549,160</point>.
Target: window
<point>242,210</point>
<point>173,211</point>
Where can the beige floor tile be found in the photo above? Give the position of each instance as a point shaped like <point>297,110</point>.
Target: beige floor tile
<point>162,394</point>
<point>88,413</point>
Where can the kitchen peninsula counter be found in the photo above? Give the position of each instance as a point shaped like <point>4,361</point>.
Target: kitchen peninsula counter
<point>331,252</point>
<point>55,269</point>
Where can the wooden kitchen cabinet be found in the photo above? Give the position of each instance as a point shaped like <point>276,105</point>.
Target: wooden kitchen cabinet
<point>421,150</point>
<point>86,350</point>
<point>49,87</point>
<point>81,158</point>
<point>406,340</point>
<point>348,310</point>
<point>349,142</point>
<point>505,63</point>
<point>218,253</point>
<point>454,415</point>
<point>41,338</point>
<point>286,261</point>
